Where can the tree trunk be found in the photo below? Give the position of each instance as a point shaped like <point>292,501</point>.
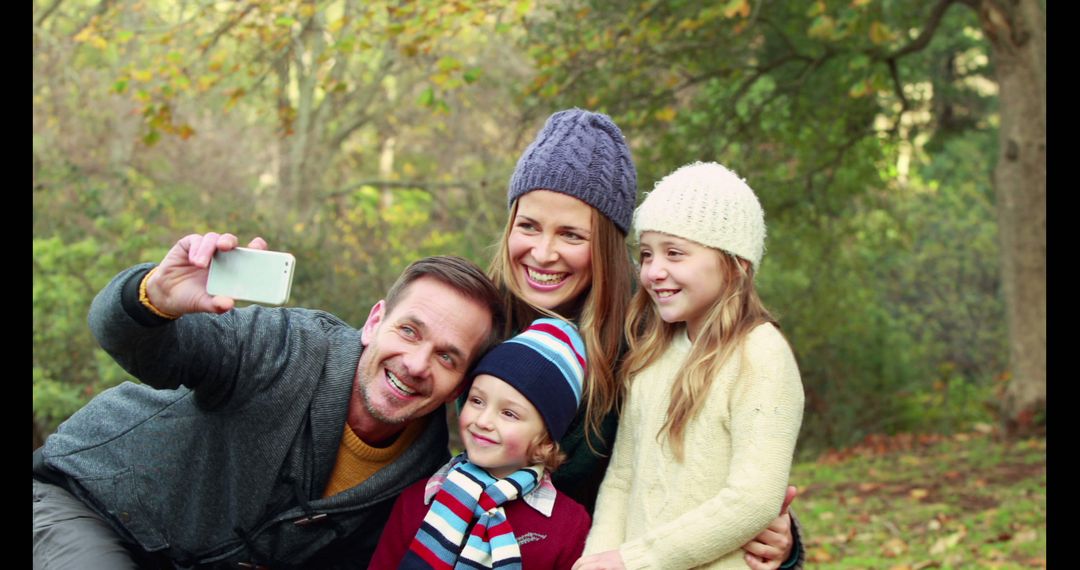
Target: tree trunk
<point>1017,33</point>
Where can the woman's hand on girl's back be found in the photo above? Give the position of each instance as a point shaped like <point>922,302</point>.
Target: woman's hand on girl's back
<point>772,546</point>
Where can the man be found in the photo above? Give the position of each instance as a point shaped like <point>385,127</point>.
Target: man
<point>261,436</point>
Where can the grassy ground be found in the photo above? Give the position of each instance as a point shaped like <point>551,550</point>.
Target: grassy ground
<point>913,502</point>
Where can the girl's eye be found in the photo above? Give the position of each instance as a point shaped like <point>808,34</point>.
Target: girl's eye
<point>510,414</point>
<point>645,255</point>
<point>475,401</point>
<point>572,236</point>
<point>527,226</point>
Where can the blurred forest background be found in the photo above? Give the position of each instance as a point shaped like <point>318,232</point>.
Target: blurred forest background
<point>898,147</point>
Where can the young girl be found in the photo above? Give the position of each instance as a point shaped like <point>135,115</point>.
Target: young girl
<point>714,401</point>
<point>494,505</point>
<point>563,253</point>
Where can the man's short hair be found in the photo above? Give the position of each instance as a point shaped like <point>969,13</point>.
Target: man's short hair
<point>464,277</point>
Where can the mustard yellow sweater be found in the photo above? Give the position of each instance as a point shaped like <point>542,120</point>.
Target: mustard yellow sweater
<point>660,513</point>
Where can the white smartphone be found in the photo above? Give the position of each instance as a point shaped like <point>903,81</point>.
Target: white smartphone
<point>255,275</point>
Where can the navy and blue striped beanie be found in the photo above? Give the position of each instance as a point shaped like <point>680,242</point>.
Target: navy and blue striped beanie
<point>546,363</point>
<point>581,154</point>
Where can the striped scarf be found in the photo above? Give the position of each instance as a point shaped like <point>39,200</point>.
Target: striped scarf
<point>470,495</point>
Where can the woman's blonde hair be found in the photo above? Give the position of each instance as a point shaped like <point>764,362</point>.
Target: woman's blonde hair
<point>599,315</point>
<point>736,311</point>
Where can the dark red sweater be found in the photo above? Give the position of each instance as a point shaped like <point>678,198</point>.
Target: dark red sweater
<point>546,542</point>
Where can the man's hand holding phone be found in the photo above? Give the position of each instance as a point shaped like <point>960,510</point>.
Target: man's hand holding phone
<point>178,285</point>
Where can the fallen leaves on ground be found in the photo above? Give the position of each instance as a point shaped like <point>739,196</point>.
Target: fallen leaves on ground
<point>972,500</point>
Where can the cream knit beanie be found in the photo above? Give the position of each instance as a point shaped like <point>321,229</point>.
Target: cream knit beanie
<point>708,204</point>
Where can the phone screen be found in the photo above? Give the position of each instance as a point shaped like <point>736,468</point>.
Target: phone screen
<point>254,275</point>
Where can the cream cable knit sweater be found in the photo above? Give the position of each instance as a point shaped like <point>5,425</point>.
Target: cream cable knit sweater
<point>663,514</point>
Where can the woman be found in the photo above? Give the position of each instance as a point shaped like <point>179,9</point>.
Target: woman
<point>563,253</point>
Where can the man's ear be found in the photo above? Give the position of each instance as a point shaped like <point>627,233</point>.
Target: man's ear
<point>371,325</point>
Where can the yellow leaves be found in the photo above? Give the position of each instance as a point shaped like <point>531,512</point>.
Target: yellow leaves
<point>234,97</point>
<point>943,544</point>
<point>918,494</point>
<point>667,114</point>
<point>89,35</point>
<point>862,89</point>
<point>819,555</point>
<point>336,25</point>
<point>142,75</point>
<point>822,28</point>
<point>449,9</point>
<point>880,33</point>
<point>1028,535</point>
<point>689,25</point>
<point>448,64</point>
<point>737,8</point>
<point>893,547</point>
<point>217,62</point>
<point>816,8</point>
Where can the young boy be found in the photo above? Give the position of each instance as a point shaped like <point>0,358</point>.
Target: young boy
<point>494,505</point>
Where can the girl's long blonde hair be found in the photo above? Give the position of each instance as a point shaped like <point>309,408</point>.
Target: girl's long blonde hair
<point>599,316</point>
<point>736,311</point>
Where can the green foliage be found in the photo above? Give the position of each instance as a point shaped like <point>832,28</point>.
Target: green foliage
<point>66,371</point>
<point>361,136</point>
<point>882,252</point>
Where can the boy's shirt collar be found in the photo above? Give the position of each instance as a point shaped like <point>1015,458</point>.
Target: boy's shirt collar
<point>541,498</point>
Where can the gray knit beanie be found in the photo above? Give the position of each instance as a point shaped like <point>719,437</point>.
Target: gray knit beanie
<point>708,204</point>
<point>581,154</point>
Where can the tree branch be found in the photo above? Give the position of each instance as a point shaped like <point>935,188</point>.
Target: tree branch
<point>927,32</point>
<point>423,185</point>
<point>224,28</point>
<point>898,87</point>
<point>100,9</point>
<point>48,12</point>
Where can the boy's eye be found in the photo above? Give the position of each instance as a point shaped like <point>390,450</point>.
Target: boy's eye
<point>408,331</point>
<point>446,358</point>
<point>475,401</point>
